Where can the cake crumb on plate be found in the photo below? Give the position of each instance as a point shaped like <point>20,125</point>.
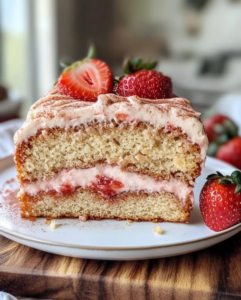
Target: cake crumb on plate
<point>128,222</point>
<point>53,224</point>
<point>83,218</point>
<point>158,230</point>
<point>48,221</point>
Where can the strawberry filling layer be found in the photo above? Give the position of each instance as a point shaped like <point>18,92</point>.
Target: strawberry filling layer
<point>108,181</point>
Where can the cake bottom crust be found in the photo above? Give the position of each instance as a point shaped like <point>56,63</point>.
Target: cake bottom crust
<point>141,206</point>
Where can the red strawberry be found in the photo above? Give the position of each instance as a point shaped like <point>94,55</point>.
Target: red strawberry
<point>107,186</point>
<point>86,79</point>
<point>231,152</point>
<point>219,125</point>
<point>142,81</point>
<point>145,84</point>
<point>66,188</point>
<point>220,201</point>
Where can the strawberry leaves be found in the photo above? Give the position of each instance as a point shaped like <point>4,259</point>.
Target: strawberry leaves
<point>137,64</point>
<point>237,189</point>
<point>234,178</point>
<point>220,174</point>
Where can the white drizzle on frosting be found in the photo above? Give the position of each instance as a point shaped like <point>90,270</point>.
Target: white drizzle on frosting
<point>58,110</point>
<point>132,182</point>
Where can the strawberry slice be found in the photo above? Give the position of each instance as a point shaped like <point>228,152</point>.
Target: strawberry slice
<point>86,79</point>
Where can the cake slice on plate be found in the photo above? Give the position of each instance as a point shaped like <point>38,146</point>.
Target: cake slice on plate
<point>87,152</point>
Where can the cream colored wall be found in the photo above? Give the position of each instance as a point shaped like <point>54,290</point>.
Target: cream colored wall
<point>217,24</point>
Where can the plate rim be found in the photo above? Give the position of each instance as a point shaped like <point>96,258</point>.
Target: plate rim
<point>40,241</point>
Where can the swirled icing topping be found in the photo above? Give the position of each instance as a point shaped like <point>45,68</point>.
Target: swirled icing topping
<point>58,110</point>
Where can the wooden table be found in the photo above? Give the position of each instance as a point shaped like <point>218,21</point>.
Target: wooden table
<point>214,273</point>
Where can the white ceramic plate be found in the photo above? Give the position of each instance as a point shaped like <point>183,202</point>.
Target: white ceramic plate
<point>110,239</point>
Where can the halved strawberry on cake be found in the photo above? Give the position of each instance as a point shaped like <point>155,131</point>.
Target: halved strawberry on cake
<point>133,154</point>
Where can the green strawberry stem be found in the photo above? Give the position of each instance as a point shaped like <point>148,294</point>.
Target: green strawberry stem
<point>91,52</point>
<point>234,178</point>
<point>137,64</point>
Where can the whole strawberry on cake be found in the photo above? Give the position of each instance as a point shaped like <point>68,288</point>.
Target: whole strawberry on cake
<point>95,147</point>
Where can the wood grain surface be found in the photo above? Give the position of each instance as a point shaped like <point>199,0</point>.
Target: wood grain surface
<point>214,273</point>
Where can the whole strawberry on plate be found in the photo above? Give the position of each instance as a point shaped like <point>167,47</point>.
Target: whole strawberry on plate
<point>220,201</point>
<point>219,129</point>
<point>86,79</point>
<point>141,80</point>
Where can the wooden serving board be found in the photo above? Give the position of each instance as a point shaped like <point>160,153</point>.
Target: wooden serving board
<point>214,273</point>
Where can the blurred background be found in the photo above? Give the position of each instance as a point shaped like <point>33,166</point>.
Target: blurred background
<point>197,43</point>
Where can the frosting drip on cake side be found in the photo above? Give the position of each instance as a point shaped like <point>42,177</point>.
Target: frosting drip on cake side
<point>58,110</point>
<point>130,182</point>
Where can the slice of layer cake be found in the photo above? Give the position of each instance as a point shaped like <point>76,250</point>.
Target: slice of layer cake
<point>116,158</point>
